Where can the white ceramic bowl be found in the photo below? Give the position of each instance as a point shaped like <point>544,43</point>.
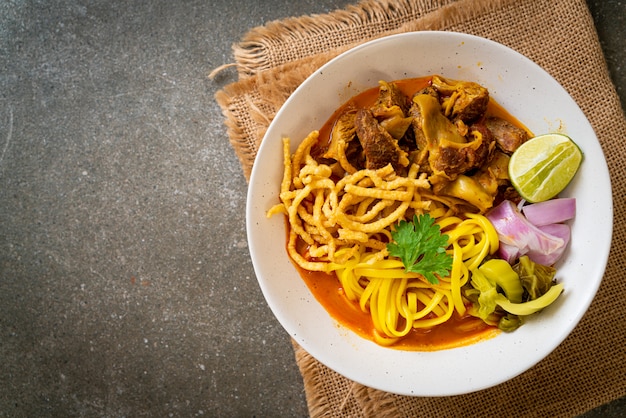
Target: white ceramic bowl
<point>527,92</point>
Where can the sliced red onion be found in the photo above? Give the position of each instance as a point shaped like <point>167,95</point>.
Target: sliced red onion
<point>561,231</point>
<point>510,253</point>
<point>515,230</point>
<point>551,211</point>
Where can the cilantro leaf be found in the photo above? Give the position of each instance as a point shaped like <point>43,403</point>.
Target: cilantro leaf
<point>422,247</point>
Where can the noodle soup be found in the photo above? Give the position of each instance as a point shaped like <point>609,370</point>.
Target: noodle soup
<point>426,148</point>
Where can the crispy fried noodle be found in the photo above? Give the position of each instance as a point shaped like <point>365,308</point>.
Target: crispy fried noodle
<point>343,224</point>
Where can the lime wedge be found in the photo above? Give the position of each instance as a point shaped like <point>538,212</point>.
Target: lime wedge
<point>543,166</point>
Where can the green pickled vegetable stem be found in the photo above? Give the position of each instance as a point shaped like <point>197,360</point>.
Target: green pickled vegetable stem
<point>501,273</point>
<point>530,307</point>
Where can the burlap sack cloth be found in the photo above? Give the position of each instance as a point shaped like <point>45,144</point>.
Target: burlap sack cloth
<point>589,368</point>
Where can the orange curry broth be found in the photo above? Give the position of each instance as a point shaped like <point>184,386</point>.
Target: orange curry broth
<point>326,288</point>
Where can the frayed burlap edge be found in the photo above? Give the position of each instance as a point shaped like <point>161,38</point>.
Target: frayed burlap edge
<point>351,399</point>
<point>257,50</point>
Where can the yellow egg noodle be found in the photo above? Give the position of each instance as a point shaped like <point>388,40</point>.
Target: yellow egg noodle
<point>346,226</point>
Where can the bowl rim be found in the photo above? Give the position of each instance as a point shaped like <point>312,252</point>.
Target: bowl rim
<point>328,360</point>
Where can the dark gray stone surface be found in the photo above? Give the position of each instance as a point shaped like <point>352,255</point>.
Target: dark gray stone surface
<point>126,287</point>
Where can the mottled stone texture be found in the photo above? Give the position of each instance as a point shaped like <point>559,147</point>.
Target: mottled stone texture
<point>126,287</point>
